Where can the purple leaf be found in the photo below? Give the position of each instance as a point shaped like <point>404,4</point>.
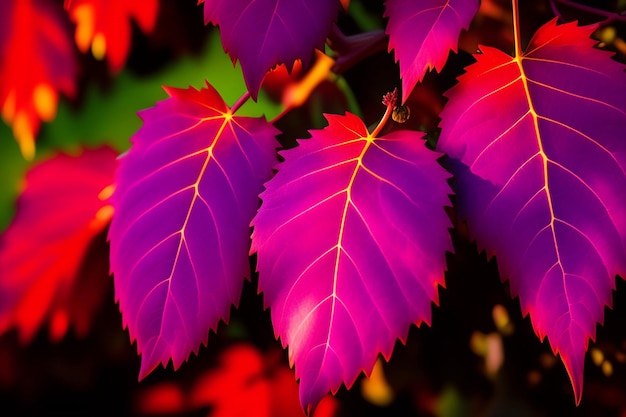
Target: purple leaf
<point>186,193</point>
<point>544,135</point>
<point>263,33</point>
<point>351,239</point>
<point>423,32</point>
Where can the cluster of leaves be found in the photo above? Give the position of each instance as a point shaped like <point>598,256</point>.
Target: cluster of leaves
<point>350,238</point>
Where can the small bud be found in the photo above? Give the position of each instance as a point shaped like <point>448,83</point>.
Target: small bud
<point>390,99</point>
<point>400,114</point>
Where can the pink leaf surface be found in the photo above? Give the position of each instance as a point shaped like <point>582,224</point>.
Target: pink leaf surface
<point>264,33</point>
<point>186,193</point>
<point>351,239</point>
<point>423,32</point>
<point>63,207</point>
<point>544,135</point>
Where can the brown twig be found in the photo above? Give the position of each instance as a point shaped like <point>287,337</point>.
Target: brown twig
<point>354,48</point>
<point>609,16</point>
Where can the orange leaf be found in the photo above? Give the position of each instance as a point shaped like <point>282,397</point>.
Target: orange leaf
<point>36,62</point>
<point>104,26</point>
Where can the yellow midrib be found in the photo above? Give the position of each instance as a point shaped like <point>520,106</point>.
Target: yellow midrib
<point>359,163</point>
<point>531,109</point>
<point>196,194</point>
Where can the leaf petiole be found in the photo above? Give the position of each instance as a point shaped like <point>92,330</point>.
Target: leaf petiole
<point>240,102</point>
<point>516,30</point>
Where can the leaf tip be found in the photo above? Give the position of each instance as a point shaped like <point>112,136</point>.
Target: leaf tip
<point>574,365</point>
<point>147,366</point>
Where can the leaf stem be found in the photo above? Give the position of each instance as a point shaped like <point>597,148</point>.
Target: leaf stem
<point>389,100</point>
<point>516,29</point>
<point>242,100</point>
<point>382,122</point>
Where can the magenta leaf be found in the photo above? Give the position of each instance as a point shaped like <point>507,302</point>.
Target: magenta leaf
<point>186,193</point>
<point>263,33</point>
<point>543,134</point>
<point>423,32</point>
<point>351,239</point>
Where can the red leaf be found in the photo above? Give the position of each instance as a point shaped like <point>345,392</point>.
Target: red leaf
<point>92,288</point>
<point>186,192</point>
<point>423,32</point>
<point>36,62</point>
<point>351,239</point>
<point>237,387</point>
<point>543,133</point>
<point>165,398</point>
<point>244,383</point>
<point>61,210</point>
<point>105,26</point>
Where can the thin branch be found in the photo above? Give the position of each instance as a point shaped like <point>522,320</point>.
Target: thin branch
<point>555,10</point>
<point>353,49</point>
<point>609,17</point>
